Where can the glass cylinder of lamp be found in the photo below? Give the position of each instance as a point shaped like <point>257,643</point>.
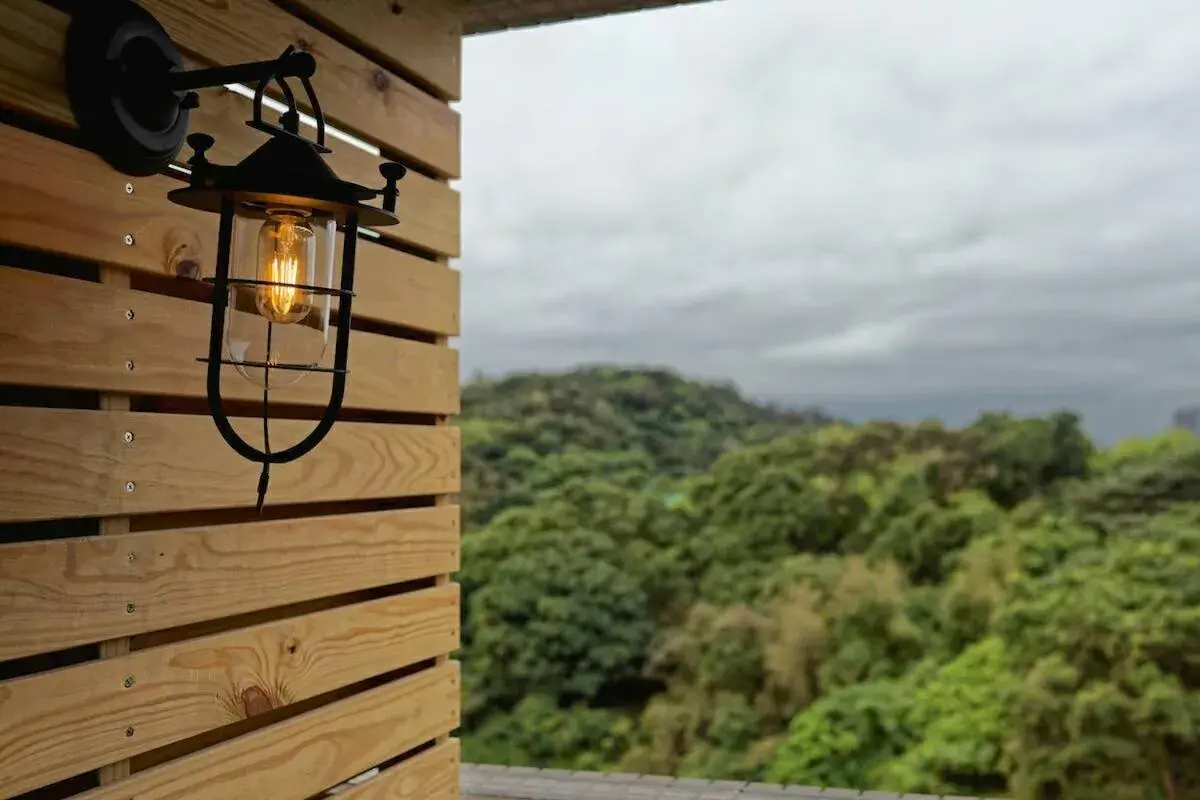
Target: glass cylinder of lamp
<point>279,302</point>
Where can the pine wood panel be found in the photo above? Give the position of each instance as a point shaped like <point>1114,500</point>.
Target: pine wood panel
<point>298,758</point>
<point>62,593</point>
<point>32,36</point>
<point>74,334</point>
<point>60,199</point>
<point>32,76</point>
<point>72,463</point>
<point>432,775</point>
<point>391,286</point>
<point>64,200</point>
<point>61,722</point>
<point>355,94</point>
<point>423,37</point>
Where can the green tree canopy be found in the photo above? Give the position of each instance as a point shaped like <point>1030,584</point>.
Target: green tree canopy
<point>662,576</point>
<point>559,618</point>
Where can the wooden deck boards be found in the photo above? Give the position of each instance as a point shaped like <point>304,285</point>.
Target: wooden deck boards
<point>487,782</point>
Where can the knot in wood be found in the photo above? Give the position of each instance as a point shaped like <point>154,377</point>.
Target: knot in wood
<point>255,700</point>
<point>183,254</point>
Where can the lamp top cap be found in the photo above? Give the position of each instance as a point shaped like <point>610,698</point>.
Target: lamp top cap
<point>199,142</point>
<point>392,171</point>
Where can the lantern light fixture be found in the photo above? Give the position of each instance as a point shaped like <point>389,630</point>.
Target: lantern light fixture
<point>131,96</point>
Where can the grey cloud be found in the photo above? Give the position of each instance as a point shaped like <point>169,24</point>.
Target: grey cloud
<point>903,210</point>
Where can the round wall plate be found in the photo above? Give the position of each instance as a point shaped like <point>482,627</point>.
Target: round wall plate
<point>116,55</point>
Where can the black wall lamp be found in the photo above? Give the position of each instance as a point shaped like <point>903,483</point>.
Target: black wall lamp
<point>131,95</point>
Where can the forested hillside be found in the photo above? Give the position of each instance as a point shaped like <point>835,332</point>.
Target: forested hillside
<point>660,576</point>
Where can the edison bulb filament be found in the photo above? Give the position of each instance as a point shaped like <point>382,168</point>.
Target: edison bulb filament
<point>287,252</point>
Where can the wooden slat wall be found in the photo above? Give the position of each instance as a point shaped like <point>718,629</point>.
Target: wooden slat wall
<point>324,747</point>
<point>359,95</point>
<point>66,592</point>
<point>32,36</point>
<point>419,38</point>
<point>60,199</point>
<point>57,722</point>
<point>75,463</point>
<point>158,639</point>
<point>91,333</point>
<point>433,775</point>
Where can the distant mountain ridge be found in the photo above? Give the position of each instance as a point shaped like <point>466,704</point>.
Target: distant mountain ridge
<point>681,426</point>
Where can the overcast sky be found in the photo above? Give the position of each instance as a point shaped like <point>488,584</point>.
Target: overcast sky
<point>895,209</point>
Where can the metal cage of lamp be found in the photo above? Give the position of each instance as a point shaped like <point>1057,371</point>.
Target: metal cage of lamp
<point>131,97</point>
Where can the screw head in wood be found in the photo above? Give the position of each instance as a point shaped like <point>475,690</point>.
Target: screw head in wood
<point>129,313</point>
<point>128,682</point>
<point>129,732</point>
<point>130,608</point>
<point>130,486</point>
<point>132,557</point>
<point>129,239</point>
<point>128,437</point>
<point>129,188</point>
<point>129,366</point>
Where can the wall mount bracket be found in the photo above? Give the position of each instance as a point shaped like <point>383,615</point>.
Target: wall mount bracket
<point>131,93</point>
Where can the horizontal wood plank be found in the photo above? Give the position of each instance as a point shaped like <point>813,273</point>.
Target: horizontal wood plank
<point>66,592</point>
<point>432,775</point>
<point>71,463</point>
<point>59,723</point>
<point>422,37</point>
<point>64,200</point>
<point>61,199</point>
<point>75,334</point>
<point>32,36</point>
<point>32,74</point>
<point>390,286</point>
<point>355,93</point>
<point>303,756</point>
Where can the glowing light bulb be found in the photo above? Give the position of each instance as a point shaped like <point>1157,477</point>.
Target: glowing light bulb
<point>287,253</point>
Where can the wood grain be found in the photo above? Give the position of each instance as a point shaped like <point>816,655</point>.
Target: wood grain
<point>74,334</point>
<point>355,94</point>
<point>72,463</point>
<point>298,758</point>
<point>32,75</point>
<point>59,199</point>
<point>61,722</point>
<point>32,36</point>
<point>66,592</point>
<point>423,37</point>
<point>432,775</point>
<point>391,286</point>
